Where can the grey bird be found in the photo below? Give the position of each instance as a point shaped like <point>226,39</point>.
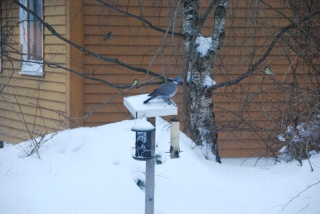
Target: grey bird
<point>165,91</point>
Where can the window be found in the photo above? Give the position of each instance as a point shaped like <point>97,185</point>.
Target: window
<point>31,38</point>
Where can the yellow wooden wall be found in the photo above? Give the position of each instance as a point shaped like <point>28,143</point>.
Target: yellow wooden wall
<point>252,113</point>
<point>132,43</point>
<point>248,114</point>
<point>33,106</point>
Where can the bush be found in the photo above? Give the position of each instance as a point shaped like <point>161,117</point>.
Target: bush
<point>301,141</point>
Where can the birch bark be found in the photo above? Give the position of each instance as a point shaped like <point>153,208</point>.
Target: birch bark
<point>202,125</point>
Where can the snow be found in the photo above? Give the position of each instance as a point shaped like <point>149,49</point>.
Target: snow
<point>207,82</point>
<point>156,108</point>
<point>91,170</point>
<point>203,45</point>
<point>283,149</point>
<point>142,125</point>
<point>281,138</point>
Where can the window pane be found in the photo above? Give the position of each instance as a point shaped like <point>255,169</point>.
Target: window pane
<point>35,36</point>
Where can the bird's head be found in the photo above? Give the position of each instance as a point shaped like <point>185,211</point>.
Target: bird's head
<point>177,80</point>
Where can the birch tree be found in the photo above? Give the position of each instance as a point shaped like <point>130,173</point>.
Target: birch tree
<point>200,53</point>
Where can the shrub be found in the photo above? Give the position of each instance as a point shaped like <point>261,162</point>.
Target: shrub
<point>301,141</point>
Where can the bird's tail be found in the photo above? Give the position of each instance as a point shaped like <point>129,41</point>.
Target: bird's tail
<point>147,100</point>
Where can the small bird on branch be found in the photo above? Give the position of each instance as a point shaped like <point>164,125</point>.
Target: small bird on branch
<point>134,83</point>
<point>268,71</point>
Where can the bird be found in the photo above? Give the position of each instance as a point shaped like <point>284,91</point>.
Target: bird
<point>134,83</point>
<point>108,36</point>
<point>165,91</point>
<point>268,71</point>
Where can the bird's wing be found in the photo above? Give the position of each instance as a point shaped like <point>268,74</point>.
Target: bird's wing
<point>152,93</point>
<point>160,91</point>
<point>164,90</point>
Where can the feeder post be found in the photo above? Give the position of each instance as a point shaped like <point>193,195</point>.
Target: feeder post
<point>174,138</point>
<point>140,110</point>
<point>150,173</point>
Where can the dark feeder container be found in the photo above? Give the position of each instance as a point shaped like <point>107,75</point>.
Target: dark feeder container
<point>143,151</point>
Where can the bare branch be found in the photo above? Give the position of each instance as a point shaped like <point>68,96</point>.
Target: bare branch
<point>219,27</point>
<point>99,106</point>
<point>308,187</point>
<point>140,18</point>
<point>268,5</point>
<point>275,40</point>
<point>83,49</point>
<point>56,65</point>
<point>306,59</point>
<point>205,15</point>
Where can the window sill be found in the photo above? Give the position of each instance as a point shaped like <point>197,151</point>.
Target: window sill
<point>32,68</point>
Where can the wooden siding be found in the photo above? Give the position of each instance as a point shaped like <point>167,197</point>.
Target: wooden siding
<point>132,44</point>
<point>248,114</point>
<point>246,121</point>
<point>33,106</point>
<point>75,62</point>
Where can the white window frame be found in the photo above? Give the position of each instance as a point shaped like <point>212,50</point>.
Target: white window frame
<point>28,66</point>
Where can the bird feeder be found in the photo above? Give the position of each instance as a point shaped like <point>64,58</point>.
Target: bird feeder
<point>145,137</point>
<point>174,136</point>
<point>144,132</point>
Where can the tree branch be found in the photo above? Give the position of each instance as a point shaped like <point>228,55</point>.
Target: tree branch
<point>83,49</point>
<point>219,27</point>
<point>283,15</point>
<point>308,187</point>
<point>140,18</point>
<point>55,65</point>
<point>205,15</point>
<point>275,40</point>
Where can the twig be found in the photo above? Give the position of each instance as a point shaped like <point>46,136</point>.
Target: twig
<point>82,48</point>
<point>140,18</point>
<point>56,65</point>
<point>99,106</point>
<point>308,187</point>
<point>275,40</point>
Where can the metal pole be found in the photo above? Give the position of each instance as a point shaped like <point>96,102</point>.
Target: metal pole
<point>150,173</point>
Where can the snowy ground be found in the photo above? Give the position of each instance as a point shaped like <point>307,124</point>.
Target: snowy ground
<point>90,170</point>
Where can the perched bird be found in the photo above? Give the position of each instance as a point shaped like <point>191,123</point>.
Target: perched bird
<point>134,83</point>
<point>268,71</point>
<point>108,36</point>
<point>165,91</point>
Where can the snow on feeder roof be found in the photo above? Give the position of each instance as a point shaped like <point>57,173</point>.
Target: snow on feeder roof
<point>143,125</point>
<point>156,108</point>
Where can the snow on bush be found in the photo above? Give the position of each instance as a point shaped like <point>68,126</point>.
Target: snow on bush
<point>301,141</point>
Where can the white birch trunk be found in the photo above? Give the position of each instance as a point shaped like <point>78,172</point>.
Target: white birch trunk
<point>202,124</point>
